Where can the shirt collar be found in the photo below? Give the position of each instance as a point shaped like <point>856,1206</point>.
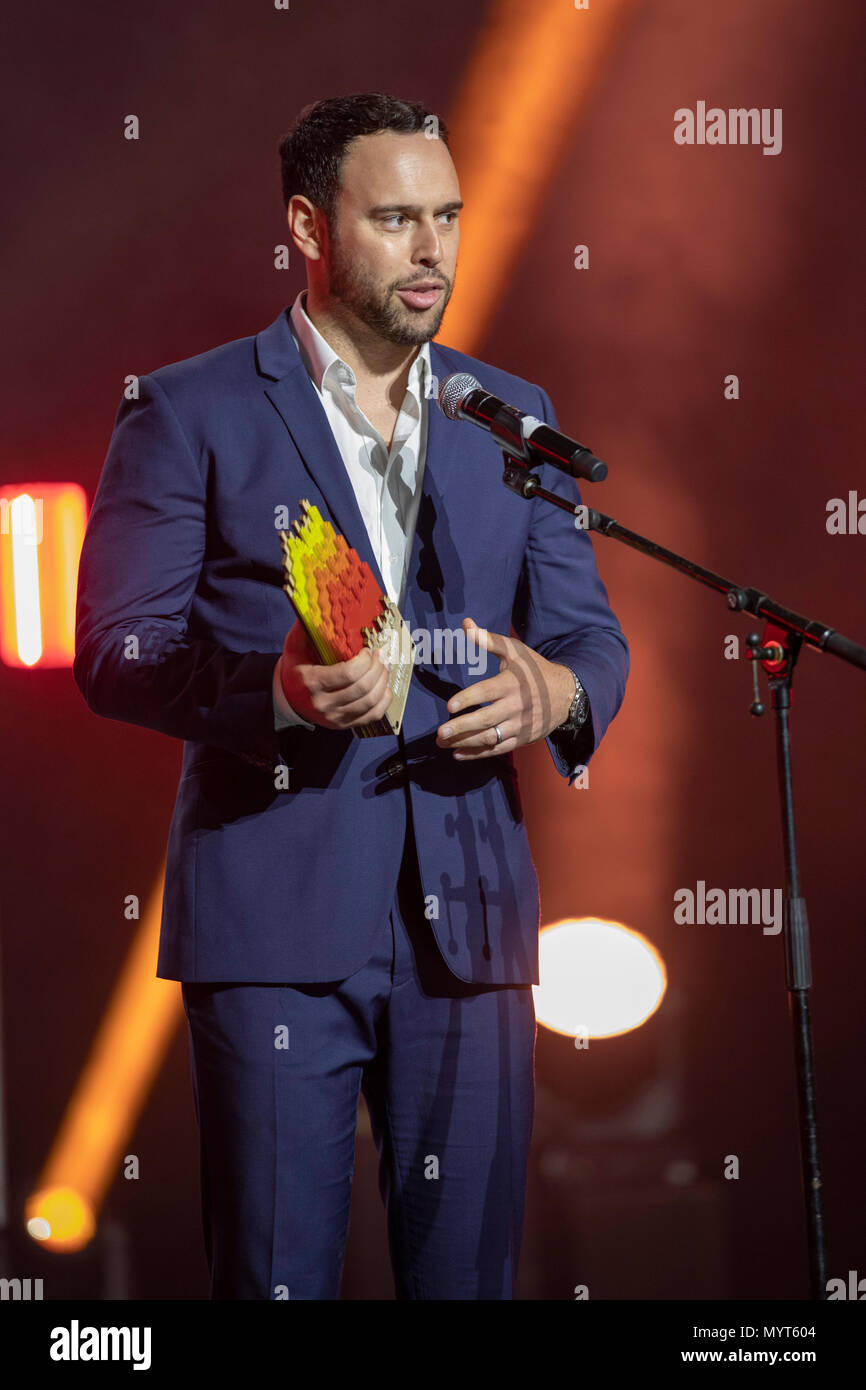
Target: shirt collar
<point>327,369</point>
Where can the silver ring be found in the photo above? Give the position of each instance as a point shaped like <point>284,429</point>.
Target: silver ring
<point>498,733</point>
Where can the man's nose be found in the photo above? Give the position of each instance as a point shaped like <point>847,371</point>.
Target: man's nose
<point>428,245</point>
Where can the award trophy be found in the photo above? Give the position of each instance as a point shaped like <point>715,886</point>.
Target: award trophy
<point>335,595</point>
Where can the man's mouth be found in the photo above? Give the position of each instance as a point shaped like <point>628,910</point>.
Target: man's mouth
<point>422,296</point>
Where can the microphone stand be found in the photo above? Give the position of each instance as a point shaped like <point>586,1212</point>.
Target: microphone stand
<point>777,651</point>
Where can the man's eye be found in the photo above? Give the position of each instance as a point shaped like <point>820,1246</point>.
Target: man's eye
<point>395,217</point>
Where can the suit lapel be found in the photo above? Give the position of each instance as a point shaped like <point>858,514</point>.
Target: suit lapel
<point>296,401</point>
<point>443,439</point>
<point>298,405</point>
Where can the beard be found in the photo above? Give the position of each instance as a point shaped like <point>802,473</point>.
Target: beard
<point>379,307</point>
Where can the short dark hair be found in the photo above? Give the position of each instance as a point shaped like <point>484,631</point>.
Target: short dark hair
<point>312,153</point>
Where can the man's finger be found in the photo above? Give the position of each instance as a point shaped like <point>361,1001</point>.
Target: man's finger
<point>363,709</point>
<point>494,642</point>
<point>362,686</point>
<point>480,693</point>
<point>345,673</point>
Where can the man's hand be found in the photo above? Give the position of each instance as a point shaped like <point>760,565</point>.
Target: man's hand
<point>527,699</point>
<point>336,697</point>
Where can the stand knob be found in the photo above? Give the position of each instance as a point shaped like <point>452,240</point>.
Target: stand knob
<point>757,706</point>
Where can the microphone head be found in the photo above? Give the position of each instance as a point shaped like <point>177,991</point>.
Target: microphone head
<point>453,392</point>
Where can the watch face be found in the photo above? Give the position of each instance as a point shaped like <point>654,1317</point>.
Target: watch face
<point>577,713</point>
<point>579,709</point>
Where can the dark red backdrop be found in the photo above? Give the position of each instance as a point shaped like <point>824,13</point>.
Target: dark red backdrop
<point>122,256</point>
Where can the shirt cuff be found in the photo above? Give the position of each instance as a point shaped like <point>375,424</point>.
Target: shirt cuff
<point>284,713</point>
<point>572,749</point>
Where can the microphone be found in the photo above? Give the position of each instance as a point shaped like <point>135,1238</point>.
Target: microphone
<point>461,397</point>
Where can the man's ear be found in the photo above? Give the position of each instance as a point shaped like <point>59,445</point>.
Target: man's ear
<point>307,227</point>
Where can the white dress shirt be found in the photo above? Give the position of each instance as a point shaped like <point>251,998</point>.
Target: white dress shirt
<point>387,482</point>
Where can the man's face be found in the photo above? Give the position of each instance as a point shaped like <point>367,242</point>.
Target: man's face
<point>392,246</point>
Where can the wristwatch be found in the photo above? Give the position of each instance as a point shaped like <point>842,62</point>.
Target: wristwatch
<point>579,710</point>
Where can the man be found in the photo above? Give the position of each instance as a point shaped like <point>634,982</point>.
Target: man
<point>348,914</point>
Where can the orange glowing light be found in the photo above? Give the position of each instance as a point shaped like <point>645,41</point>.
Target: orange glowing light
<point>41,533</point>
<point>126,1055</point>
<point>61,1218</point>
<point>520,98</point>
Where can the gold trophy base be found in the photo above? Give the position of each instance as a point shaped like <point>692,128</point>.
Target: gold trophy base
<point>393,636</point>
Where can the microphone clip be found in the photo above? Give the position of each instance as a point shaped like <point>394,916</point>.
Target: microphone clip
<point>518,476</point>
<point>777,652</point>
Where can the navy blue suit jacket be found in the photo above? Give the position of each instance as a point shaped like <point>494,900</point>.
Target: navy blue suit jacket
<point>181,616</point>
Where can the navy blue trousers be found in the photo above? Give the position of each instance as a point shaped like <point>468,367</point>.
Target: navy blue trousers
<point>447,1071</point>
